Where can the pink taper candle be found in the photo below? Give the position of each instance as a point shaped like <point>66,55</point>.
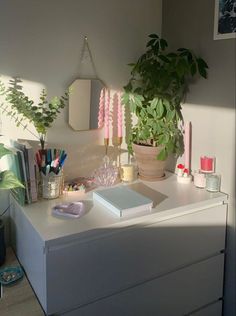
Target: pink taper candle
<point>119,116</point>
<point>101,108</point>
<point>187,146</point>
<point>107,113</point>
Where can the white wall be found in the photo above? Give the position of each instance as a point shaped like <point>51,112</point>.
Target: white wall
<point>41,41</point>
<point>210,104</point>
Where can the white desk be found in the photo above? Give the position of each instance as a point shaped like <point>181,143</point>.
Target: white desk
<point>167,262</point>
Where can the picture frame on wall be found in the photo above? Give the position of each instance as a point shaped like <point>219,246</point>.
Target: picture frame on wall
<point>225,19</point>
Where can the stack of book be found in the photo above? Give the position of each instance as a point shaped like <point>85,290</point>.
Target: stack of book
<point>22,163</point>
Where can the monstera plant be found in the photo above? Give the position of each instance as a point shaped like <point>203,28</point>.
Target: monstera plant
<point>8,180</point>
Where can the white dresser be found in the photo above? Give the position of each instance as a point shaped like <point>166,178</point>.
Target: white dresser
<point>169,262</point>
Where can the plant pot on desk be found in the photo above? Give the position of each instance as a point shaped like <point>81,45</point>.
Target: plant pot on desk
<point>150,168</point>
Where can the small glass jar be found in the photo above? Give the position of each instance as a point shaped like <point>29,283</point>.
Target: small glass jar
<point>127,173</point>
<point>199,179</point>
<point>213,182</point>
<point>207,164</point>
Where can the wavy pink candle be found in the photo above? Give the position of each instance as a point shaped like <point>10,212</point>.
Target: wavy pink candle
<point>187,146</point>
<point>119,116</point>
<point>101,108</point>
<point>107,113</point>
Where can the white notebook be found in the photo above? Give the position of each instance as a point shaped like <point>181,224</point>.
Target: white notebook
<point>123,201</point>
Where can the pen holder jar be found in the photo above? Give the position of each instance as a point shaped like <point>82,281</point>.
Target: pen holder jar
<point>52,186</point>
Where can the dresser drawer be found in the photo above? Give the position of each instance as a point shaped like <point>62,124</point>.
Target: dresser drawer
<point>211,310</point>
<point>175,294</point>
<point>84,272</point>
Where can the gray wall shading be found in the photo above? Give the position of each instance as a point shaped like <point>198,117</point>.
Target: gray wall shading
<point>210,105</point>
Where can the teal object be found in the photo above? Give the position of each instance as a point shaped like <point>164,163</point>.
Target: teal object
<point>11,275</point>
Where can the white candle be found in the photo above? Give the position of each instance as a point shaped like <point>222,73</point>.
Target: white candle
<point>127,173</point>
<point>187,146</point>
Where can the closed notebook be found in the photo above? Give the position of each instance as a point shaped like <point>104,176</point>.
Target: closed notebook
<point>123,201</point>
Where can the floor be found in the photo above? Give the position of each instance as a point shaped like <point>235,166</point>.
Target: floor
<point>18,299</point>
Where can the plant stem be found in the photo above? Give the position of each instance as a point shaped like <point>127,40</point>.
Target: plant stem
<point>42,141</point>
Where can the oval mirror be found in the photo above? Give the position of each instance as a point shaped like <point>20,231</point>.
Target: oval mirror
<point>84,104</point>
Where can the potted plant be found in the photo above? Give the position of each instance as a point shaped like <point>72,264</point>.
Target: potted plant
<point>7,181</point>
<point>157,87</point>
<point>23,110</point>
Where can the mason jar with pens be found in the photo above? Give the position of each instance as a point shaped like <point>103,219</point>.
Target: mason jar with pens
<point>50,164</point>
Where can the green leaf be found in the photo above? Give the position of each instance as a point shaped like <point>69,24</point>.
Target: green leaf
<point>163,139</point>
<point>162,155</point>
<point>153,103</point>
<point>202,63</point>
<point>202,72</point>
<point>193,69</point>
<point>202,66</point>
<point>163,44</point>
<point>160,108</point>
<point>181,49</point>
<point>171,55</point>
<point>9,181</point>
<point>153,36</point>
<point>151,42</point>
<point>164,58</point>
<point>4,151</point>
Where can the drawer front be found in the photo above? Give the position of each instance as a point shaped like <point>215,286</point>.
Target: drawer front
<point>211,310</point>
<point>83,272</point>
<point>29,250</point>
<point>175,294</point>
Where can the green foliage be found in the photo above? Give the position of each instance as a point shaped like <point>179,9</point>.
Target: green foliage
<point>7,178</point>
<point>23,110</point>
<point>158,84</point>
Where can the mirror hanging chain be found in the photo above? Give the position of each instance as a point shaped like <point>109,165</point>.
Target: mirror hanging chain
<point>85,53</point>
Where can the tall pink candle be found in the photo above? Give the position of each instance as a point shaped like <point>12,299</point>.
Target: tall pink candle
<point>101,108</point>
<point>187,146</point>
<point>107,113</point>
<point>119,115</point>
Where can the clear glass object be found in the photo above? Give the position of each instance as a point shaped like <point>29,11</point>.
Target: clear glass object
<point>213,182</point>
<point>106,174</point>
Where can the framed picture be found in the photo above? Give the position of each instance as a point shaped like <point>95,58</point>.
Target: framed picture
<point>225,19</point>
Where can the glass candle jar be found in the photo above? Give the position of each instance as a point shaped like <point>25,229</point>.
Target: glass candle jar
<point>207,164</point>
<point>127,173</point>
<point>213,182</point>
<point>199,179</point>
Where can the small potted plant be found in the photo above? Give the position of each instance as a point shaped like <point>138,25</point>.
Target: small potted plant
<point>8,180</point>
<point>157,87</point>
<point>23,110</point>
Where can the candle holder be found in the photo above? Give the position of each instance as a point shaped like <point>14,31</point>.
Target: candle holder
<point>106,143</point>
<point>119,142</point>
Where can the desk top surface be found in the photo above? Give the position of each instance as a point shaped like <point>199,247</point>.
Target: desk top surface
<point>170,199</point>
